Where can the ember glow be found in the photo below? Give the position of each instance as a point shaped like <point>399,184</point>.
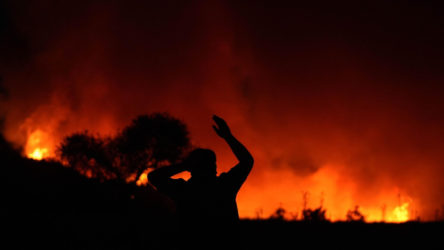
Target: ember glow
<point>342,103</point>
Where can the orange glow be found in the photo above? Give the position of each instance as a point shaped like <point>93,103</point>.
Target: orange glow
<point>260,197</point>
<point>400,213</point>
<point>333,111</point>
<point>38,145</point>
<point>327,188</point>
<point>143,180</point>
<point>39,154</point>
<point>282,188</point>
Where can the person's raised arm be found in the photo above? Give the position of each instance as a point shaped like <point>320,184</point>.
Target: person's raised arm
<point>245,158</point>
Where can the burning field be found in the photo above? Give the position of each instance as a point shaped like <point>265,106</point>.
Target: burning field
<point>340,104</point>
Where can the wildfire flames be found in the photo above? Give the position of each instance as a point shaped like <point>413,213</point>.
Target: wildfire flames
<point>342,109</point>
<point>400,213</point>
<point>37,147</point>
<point>39,143</point>
<point>38,154</point>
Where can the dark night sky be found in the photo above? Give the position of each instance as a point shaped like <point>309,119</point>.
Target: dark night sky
<point>353,88</point>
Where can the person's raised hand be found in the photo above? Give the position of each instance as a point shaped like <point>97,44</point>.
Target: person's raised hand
<point>221,127</point>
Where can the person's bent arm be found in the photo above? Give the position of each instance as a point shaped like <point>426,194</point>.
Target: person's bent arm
<point>162,175</point>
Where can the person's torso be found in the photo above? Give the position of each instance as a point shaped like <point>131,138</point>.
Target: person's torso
<point>207,202</point>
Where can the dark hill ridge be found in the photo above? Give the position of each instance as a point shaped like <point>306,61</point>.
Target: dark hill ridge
<point>32,186</point>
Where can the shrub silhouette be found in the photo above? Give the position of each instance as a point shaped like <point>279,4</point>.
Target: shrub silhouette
<point>314,215</point>
<point>148,142</point>
<point>279,214</point>
<point>355,215</point>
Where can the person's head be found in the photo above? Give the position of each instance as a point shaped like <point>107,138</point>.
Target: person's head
<point>202,163</point>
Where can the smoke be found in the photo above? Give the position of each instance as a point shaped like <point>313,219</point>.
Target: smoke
<point>342,101</point>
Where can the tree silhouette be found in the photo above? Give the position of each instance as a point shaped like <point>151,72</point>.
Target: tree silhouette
<point>148,142</point>
<point>151,141</point>
<point>89,155</point>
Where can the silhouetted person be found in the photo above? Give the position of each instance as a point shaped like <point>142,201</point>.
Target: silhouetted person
<point>206,203</point>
